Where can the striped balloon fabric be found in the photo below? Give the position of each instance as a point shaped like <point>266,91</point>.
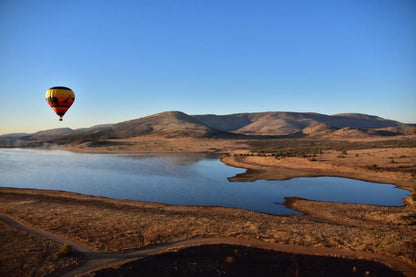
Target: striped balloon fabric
<point>60,99</point>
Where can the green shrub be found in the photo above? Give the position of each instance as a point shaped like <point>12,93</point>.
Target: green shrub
<point>64,251</point>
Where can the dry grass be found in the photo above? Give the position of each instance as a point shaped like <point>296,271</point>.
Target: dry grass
<point>366,164</point>
<point>116,225</point>
<point>23,254</point>
<point>159,144</point>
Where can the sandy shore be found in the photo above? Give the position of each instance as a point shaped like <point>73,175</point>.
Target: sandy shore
<point>105,224</point>
<point>373,165</point>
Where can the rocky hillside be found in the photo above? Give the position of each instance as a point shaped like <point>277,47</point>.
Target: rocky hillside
<point>179,124</point>
<point>284,123</point>
<point>170,124</point>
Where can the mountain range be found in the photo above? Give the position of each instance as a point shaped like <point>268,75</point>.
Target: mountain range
<point>262,124</point>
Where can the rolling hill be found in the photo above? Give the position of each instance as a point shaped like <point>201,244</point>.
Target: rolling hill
<point>264,124</point>
<point>285,123</point>
<point>167,124</point>
<point>170,124</point>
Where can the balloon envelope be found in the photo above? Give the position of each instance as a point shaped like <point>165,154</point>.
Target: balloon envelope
<point>60,99</point>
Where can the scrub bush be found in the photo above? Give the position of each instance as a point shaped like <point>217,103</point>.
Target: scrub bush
<point>64,251</point>
<point>413,194</point>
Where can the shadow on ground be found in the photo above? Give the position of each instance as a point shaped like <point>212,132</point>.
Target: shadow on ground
<point>232,260</point>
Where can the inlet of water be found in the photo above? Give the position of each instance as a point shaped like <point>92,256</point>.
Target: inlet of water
<point>179,179</point>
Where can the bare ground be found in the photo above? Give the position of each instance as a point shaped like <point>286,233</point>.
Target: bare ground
<point>118,225</point>
<point>159,144</point>
<point>388,165</point>
<point>25,254</point>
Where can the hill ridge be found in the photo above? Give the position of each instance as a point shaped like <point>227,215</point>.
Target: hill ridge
<point>284,123</point>
<point>176,124</point>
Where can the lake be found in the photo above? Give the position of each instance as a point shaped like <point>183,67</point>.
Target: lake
<point>180,179</point>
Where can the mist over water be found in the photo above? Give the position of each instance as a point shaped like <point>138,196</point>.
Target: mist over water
<point>180,179</point>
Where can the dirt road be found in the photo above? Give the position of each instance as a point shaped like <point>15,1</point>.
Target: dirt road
<point>94,259</point>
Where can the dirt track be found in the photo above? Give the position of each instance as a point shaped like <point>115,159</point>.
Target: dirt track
<point>108,225</point>
<point>95,259</point>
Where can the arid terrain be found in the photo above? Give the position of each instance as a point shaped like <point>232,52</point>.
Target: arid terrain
<point>176,124</point>
<point>109,236</point>
<point>376,233</point>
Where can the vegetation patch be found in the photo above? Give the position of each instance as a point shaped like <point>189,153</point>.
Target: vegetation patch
<point>64,251</point>
<point>413,194</point>
<point>308,148</point>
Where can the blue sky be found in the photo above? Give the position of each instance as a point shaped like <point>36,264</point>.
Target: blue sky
<point>129,59</point>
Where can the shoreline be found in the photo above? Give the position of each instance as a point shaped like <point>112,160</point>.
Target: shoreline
<point>105,224</point>
<point>110,225</point>
<point>379,165</point>
<point>271,168</point>
<point>328,164</point>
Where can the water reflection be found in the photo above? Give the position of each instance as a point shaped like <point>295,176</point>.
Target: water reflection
<point>176,159</point>
<point>183,179</point>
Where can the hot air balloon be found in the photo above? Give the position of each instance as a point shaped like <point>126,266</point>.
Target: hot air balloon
<point>60,99</point>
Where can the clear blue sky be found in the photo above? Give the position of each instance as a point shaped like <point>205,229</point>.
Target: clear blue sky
<point>129,59</point>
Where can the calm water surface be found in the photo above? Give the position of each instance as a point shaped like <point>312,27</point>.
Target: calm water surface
<point>182,179</point>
